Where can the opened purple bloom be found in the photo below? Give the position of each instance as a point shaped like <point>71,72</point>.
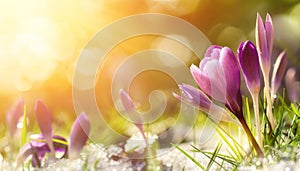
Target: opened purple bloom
<point>219,77</point>
<point>249,62</point>
<point>278,72</point>
<point>38,147</point>
<point>79,135</point>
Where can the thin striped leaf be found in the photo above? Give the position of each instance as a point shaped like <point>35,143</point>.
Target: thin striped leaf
<point>24,128</point>
<point>214,155</point>
<point>190,157</point>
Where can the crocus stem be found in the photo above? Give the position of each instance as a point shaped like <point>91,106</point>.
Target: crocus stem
<point>250,136</point>
<point>141,129</point>
<point>269,101</point>
<point>257,120</point>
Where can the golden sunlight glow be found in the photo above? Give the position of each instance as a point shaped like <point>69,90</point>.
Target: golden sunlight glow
<point>40,42</point>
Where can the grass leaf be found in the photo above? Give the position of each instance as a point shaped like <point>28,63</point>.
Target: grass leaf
<point>24,128</point>
<point>190,157</point>
<point>214,155</point>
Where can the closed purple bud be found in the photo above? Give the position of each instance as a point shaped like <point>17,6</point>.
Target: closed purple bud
<point>264,41</point>
<point>249,62</point>
<point>43,117</point>
<point>79,135</point>
<point>278,72</point>
<point>129,107</point>
<point>291,85</point>
<point>13,116</point>
<point>126,102</point>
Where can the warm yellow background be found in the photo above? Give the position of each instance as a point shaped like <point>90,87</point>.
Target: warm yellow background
<point>40,41</point>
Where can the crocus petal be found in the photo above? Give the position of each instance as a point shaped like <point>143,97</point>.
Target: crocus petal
<point>291,85</point>
<point>43,117</point>
<point>260,34</point>
<point>126,101</point>
<point>216,75</point>
<point>13,116</point>
<point>195,97</point>
<point>198,99</point>
<point>278,72</point>
<point>233,80</point>
<point>270,32</point>
<point>79,135</point>
<point>249,62</point>
<point>201,79</point>
<point>211,79</point>
<point>213,52</point>
<point>23,154</point>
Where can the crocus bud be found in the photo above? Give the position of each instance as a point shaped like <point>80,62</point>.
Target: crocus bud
<point>129,107</point>
<point>291,85</point>
<point>264,42</point>
<point>79,135</point>
<point>278,72</point>
<point>43,117</point>
<point>126,102</point>
<point>248,59</point>
<point>13,116</point>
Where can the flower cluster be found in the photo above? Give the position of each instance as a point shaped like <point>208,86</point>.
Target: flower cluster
<point>46,142</point>
<point>218,77</point>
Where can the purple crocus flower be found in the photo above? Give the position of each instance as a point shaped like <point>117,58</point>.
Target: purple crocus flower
<point>79,135</point>
<point>278,72</point>
<point>264,42</point>
<point>43,117</point>
<point>38,147</point>
<point>249,62</point>
<point>13,116</point>
<point>198,99</point>
<point>219,77</point>
<point>130,109</point>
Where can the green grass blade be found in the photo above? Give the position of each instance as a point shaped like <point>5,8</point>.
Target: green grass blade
<point>24,128</point>
<point>214,155</point>
<point>223,157</point>
<point>248,113</point>
<point>190,157</point>
<point>234,145</point>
